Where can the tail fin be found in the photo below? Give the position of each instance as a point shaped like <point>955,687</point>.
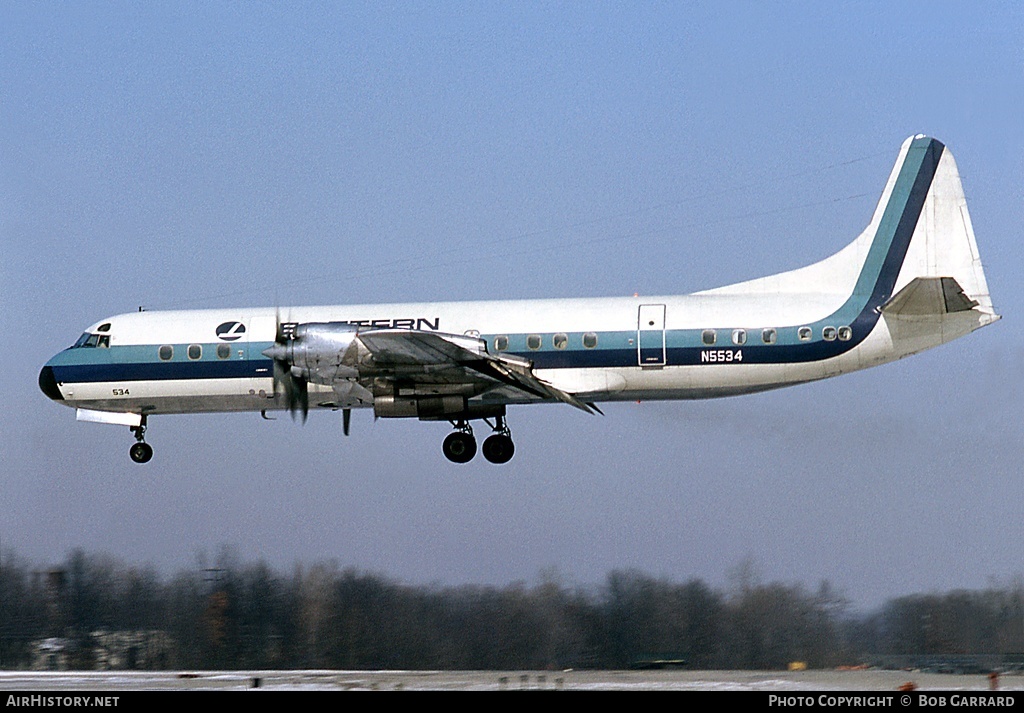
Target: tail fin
<point>916,260</point>
<point>942,250</point>
<point>940,292</point>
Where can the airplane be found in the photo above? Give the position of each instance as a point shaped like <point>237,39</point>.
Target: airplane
<point>911,281</point>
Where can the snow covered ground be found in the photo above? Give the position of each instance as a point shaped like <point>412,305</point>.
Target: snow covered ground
<point>498,680</point>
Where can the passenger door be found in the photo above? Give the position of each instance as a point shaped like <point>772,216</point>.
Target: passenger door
<point>650,335</point>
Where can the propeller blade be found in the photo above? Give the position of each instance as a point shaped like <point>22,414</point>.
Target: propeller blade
<point>279,335</point>
<point>278,376</point>
<point>278,353</point>
<point>286,380</point>
<point>302,388</point>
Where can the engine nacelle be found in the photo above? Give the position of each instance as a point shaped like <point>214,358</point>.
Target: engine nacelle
<point>322,352</point>
<point>433,408</point>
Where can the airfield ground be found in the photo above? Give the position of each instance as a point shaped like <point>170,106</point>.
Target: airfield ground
<point>782,681</point>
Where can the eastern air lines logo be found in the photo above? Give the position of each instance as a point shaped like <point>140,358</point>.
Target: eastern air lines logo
<point>230,331</point>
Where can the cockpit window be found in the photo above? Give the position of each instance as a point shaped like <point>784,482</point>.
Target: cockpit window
<point>89,340</point>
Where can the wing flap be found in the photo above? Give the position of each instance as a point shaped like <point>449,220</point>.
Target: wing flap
<point>410,351</point>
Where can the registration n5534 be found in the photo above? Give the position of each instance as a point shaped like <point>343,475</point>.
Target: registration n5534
<point>720,356</point>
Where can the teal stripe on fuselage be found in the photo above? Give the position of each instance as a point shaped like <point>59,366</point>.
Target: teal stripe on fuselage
<point>145,353</point>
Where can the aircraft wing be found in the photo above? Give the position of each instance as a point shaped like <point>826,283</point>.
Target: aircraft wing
<point>434,356</point>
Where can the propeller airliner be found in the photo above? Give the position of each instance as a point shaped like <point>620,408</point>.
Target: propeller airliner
<point>911,281</point>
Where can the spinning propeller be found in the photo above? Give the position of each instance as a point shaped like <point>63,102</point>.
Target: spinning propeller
<point>287,376</point>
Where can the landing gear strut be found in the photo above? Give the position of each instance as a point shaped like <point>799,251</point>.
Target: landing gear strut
<point>460,447</point>
<point>140,452</point>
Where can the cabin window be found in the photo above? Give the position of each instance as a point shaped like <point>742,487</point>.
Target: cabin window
<point>166,352</point>
<point>195,351</point>
<point>845,333</point>
<point>708,336</point>
<point>829,334</point>
<point>768,336</point>
<point>590,340</point>
<point>560,340</point>
<point>804,334</point>
<point>105,327</point>
<point>739,337</point>
<point>533,341</point>
<point>223,351</point>
<point>501,343</point>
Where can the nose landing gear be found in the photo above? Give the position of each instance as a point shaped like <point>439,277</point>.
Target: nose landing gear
<point>140,452</point>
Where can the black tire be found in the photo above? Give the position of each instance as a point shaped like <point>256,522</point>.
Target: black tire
<point>499,448</point>
<point>459,447</point>
<point>141,452</point>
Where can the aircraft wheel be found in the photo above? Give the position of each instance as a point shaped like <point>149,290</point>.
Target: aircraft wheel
<point>459,447</point>
<point>499,448</point>
<point>141,452</point>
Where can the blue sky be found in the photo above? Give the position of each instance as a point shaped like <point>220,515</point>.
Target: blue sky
<point>231,154</point>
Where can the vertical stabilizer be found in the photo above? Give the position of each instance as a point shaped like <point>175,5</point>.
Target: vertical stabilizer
<point>940,292</point>
<point>920,230</point>
<point>943,244</point>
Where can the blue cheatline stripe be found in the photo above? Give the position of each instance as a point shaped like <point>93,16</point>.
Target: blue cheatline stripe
<point>874,286</point>
<point>162,371</point>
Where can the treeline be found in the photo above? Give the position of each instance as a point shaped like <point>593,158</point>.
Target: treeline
<point>245,615</point>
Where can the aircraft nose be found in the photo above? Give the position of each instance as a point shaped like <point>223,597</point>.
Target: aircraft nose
<point>48,384</point>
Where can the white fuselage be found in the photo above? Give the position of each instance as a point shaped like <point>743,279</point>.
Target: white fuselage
<point>912,280</point>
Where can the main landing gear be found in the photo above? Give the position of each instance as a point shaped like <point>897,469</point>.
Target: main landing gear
<point>140,452</point>
<point>460,446</point>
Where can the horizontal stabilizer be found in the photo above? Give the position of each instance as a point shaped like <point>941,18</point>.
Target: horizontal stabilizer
<point>929,296</point>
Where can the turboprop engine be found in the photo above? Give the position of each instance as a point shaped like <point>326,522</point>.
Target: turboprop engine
<point>321,352</point>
